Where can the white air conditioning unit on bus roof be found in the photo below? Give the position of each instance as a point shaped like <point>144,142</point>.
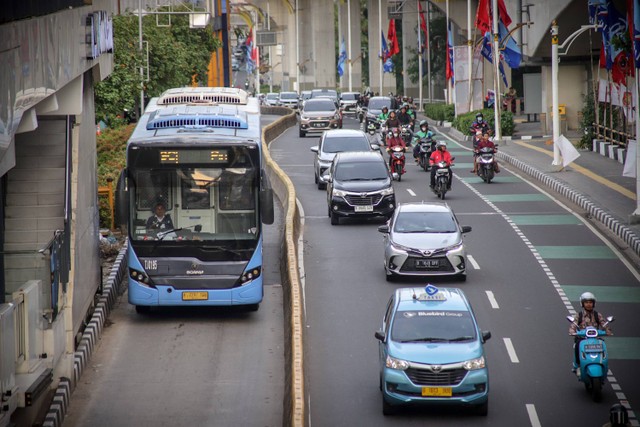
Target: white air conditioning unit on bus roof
<point>195,95</point>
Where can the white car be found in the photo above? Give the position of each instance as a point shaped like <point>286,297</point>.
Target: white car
<point>424,239</point>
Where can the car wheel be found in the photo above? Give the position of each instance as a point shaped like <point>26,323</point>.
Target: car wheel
<point>335,219</point>
<point>462,277</point>
<point>321,185</point>
<point>302,133</point>
<point>315,177</point>
<point>388,409</point>
<point>483,409</point>
<point>253,307</point>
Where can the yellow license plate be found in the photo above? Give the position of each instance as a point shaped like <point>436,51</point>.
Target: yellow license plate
<point>436,391</point>
<point>195,296</point>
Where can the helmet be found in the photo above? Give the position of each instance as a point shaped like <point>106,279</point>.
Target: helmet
<point>441,144</point>
<point>618,415</point>
<point>371,127</point>
<point>479,117</point>
<point>478,132</point>
<point>424,123</point>
<point>587,296</point>
<point>395,131</point>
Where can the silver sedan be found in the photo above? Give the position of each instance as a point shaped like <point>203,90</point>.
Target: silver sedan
<point>424,239</point>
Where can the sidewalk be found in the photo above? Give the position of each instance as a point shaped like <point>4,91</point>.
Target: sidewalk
<point>593,182</point>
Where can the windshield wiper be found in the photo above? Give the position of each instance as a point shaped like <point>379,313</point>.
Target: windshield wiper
<point>223,249</point>
<point>467,338</point>
<point>426,339</point>
<point>162,234</point>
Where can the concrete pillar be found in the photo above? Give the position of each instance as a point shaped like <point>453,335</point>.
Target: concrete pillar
<point>356,51</point>
<point>410,47</point>
<point>375,47</point>
<point>319,34</point>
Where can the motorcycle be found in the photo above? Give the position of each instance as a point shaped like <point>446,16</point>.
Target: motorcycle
<point>426,148</point>
<point>397,160</point>
<point>486,164</point>
<point>382,128</point>
<point>443,178</point>
<point>594,360</point>
<point>406,134</point>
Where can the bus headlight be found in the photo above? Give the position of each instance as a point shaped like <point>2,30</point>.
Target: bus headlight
<point>250,275</point>
<point>139,276</point>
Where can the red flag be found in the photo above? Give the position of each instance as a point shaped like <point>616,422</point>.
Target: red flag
<point>423,23</point>
<point>392,38</point>
<point>484,18</point>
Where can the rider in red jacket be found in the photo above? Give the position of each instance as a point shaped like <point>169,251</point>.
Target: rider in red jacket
<point>437,156</point>
<point>484,142</point>
<point>394,140</point>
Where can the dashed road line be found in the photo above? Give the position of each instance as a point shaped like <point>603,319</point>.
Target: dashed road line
<point>473,262</point>
<point>492,300</point>
<point>511,350</point>
<point>533,415</point>
<point>410,191</point>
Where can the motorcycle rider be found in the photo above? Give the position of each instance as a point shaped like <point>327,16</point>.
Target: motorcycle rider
<point>392,121</point>
<point>384,115</point>
<point>441,154</point>
<point>484,142</point>
<point>424,132</point>
<point>479,124</point>
<point>404,117</point>
<point>588,316</point>
<point>372,135</point>
<point>394,140</point>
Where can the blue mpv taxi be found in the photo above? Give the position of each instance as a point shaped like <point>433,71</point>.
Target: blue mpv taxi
<point>431,351</point>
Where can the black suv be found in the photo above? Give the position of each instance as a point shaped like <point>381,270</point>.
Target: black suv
<point>359,185</point>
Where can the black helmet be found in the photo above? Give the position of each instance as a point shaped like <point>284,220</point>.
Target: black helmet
<point>385,108</point>
<point>618,415</point>
<point>424,123</point>
<point>479,115</point>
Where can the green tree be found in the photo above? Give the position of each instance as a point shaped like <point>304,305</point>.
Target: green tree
<point>176,53</point>
<point>437,49</point>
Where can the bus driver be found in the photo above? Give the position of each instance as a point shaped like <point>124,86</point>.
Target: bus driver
<point>160,220</point>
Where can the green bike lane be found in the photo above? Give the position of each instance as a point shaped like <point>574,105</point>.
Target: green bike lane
<point>576,260</point>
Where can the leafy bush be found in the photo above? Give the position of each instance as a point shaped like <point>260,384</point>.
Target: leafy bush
<point>586,123</point>
<point>440,111</point>
<point>463,121</point>
<point>111,153</point>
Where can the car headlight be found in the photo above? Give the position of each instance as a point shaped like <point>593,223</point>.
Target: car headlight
<point>393,363</point>
<point>474,364</point>
<point>455,247</point>
<point>402,248</point>
<point>303,117</point>
<point>338,193</point>
<point>387,191</point>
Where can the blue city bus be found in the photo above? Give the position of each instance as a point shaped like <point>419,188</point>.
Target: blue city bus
<point>193,198</point>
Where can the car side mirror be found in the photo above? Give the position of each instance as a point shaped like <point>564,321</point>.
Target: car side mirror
<point>466,228</point>
<point>453,158</point>
<point>486,335</point>
<point>379,336</point>
<point>383,228</point>
<point>375,147</point>
<point>327,177</point>
<point>314,148</point>
<point>198,228</point>
<point>395,175</point>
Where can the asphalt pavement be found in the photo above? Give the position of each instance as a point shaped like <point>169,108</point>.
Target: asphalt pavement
<point>593,182</point>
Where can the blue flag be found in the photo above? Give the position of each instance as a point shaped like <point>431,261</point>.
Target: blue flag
<point>342,58</point>
<point>387,67</point>
<point>511,51</point>
<point>486,52</point>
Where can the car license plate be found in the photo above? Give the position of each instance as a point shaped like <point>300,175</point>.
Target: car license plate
<point>437,391</point>
<point>319,125</point>
<point>428,263</point>
<point>363,208</point>
<point>195,296</point>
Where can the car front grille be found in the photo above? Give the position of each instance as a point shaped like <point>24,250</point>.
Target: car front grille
<point>367,200</point>
<point>426,377</point>
<point>411,265</point>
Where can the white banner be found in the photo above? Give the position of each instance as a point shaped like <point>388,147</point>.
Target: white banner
<point>461,75</point>
<point>567,150</point>
<point>630,161</point>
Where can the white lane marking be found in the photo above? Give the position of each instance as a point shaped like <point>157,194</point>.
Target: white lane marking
<point>492,299</point>
<point>473,262</point>
<point>533,415</point>
<point>511,350</point>
<point>410,191</point>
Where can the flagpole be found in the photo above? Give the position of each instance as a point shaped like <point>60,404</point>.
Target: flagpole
<point>448,80</point>
<point>297,51</point>
<point>469,54</point>
<point>380,30</point>
<point>340,39</point>
<point>496,66</point>
<point>349,42</point>
<point>419,60</point>
<point>428,53</point>
<point>635,216</point>
<point>255,41</point>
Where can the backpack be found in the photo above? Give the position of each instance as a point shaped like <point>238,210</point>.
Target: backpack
<point>595,313</point>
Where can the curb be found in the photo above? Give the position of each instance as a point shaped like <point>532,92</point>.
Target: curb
<point>92,333</point>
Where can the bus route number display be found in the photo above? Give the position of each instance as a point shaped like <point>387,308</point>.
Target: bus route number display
<point>193,156</point>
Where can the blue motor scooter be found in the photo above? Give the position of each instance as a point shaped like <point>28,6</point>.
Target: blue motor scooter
<point>593,358</point>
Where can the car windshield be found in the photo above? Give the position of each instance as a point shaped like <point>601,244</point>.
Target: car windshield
<point>306,95</point>
<point>328,93</point>
<point>272,96</point>
<point>425,222</point>
<point>349,96</point>
<point>327,105</point>
<point>377,104</point>
<point>291,95</point>
<point>361,171</point>
<point>433,326</point>
<point>336,145</point>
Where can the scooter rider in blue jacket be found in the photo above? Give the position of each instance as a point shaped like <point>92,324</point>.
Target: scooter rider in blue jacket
<point>588,316</point>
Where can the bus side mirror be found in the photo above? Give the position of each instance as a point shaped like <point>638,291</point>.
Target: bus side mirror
<point>121,211</point>
<point>266,206</point>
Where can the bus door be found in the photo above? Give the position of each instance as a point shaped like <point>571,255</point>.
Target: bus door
<point>196,198</point>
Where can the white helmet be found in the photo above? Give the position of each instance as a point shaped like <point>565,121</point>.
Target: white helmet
<point>441,144</point>
<point>587,296</point>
